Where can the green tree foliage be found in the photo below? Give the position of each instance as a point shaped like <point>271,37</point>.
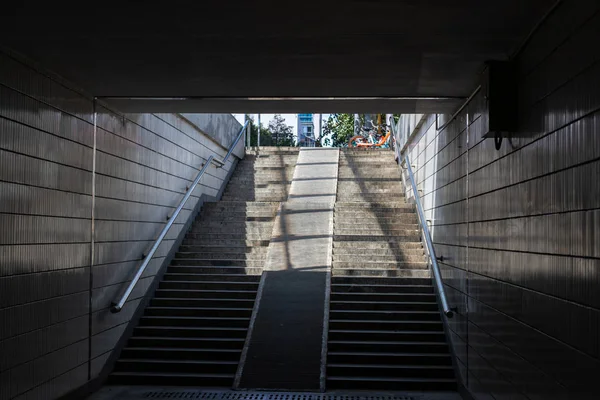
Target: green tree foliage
<point>338,129</point>
<point>276,134</point>
<point>281,134</point>
<point>265,136</point>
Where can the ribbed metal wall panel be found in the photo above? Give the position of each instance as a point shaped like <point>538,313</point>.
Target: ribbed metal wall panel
<point>518,228</point>
<point>54,303</point>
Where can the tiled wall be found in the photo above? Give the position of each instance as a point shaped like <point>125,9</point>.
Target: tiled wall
<point>56,331</point>
<point>519,228</point>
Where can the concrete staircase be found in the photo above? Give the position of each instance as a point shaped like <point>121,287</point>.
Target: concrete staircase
<point>194,329</point>
<point>385,330</point>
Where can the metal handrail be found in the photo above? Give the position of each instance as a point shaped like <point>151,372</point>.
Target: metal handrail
<point>117,306</point>
<point>430,250</point>
<point>233,145</point>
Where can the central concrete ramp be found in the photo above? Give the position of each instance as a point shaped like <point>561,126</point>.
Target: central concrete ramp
<point>287,337</point>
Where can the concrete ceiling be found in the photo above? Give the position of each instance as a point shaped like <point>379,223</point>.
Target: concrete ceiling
<point>240,56</point>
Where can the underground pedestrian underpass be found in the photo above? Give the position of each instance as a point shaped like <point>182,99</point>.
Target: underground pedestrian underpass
<point>147,251</point>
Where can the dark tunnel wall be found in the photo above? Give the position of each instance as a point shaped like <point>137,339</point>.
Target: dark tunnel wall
<point>519,228</point>
<point>56,331</point>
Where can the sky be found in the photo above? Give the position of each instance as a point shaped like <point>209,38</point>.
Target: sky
<point>290,119</point>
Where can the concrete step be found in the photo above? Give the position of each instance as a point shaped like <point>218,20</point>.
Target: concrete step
<point>374,238</point>
<point>374,219</point>
<point>392,384</point>
<point>240,217</point>
<point>382,297</point>
<point>251,235</point>
<point>374,264</point>
<point>187,302</point>
<point>392,273</point>
<point>381,252</point>
<point>223,256</point>
<point>346,286</point>
<point>265,173</point>
<point>358,230</point>
<point>174,366</point>
<point>279,198</point>
<point>220,284</point>
<point>256,192</point>
<point>272,150</point>
<point>169,353</point>
<point>269,159</point>
<point>223,252</point>
<point>241,205</point>
<point>387,371</point>
<point>368,167</point>
<point>388,206</point>
<point>253,181</point>
<point>346,173</point>
<point>203,262</point>
<point>369,192</point>
<point>232,224</point>
<point>251,230</point>
<point>210,249</point>
<point>367,179</point>
<point>198,277</point>
<point>387,336</point>
<point>211,241</point>
<point>201,294</point>
<point>240,212</point>
<point>360,258</point>
<point>199,311</point>
<point>264,167</point>
<point>349,223</point>
<point>389,358</point>
<point>371,187</point>
<point>393,283</point>
<point>386,315</point>
<point>190,332</point>
<point>365,162</point>
<point>380,245</point>
<point>253,185</point>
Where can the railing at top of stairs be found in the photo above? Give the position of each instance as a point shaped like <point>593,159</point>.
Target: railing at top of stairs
<point>117,305</point>
<point>403,132</point>
<point>433,260</point>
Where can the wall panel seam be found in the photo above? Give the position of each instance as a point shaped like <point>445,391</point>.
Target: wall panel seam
<point>47,104</point>
<point>575,120</point>
<point>527,289</point>
<point>532,328</point>
<point>533,252</point>
<point>555,49</point>
<point>44,159</point>
<point>198,131</point>
<point>46,187</point>
<point>442,167</point>
<point>38,129</point>
<point>28,303</point>
<point>541,176</point>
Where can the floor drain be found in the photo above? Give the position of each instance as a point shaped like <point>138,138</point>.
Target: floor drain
<point>267,396</point>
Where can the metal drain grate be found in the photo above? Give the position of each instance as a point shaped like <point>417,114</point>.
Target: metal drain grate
<point>267,396</point>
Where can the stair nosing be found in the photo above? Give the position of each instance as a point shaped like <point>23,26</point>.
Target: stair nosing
<point>163,361</point>
<point>390,366</point>
<point>383,342</point>
<point>210,350</point>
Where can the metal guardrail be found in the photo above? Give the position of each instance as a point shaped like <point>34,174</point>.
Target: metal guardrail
<point>449,312</point>
<point>117,305</point>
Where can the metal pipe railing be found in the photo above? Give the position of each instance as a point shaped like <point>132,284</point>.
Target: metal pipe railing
<point>232,147</point>
<point>430,250</point>
<point>117,305</point>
